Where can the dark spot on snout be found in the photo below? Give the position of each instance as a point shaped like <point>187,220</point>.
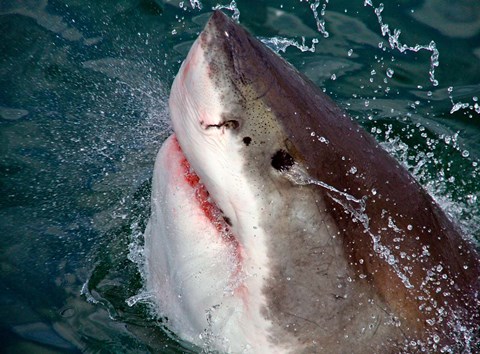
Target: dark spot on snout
<point>247,140</point>
<point>282,160</point>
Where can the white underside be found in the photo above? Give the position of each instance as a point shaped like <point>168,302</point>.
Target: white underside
<point>194,273</point>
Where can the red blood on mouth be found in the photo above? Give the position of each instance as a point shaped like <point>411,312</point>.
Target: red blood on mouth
<point>209,208</point>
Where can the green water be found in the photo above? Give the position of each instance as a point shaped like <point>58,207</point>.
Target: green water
<point>83,94</point>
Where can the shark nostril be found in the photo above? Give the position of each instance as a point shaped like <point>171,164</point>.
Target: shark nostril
<point>282,160</point>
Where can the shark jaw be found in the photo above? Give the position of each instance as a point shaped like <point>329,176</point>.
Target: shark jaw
<point>261,239</point>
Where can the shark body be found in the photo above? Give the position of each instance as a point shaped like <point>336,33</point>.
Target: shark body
<point>280,226</point>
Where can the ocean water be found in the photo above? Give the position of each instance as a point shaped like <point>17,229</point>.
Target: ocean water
<point>83,110</point>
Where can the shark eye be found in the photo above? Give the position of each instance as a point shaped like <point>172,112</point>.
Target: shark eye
<point>231,124</point>
<point>282,160</point>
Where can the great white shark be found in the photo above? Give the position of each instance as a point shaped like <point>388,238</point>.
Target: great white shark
<point>279,225</point>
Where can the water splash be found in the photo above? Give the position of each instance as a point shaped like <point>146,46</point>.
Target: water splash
<point>144,297</point>
<point>457,106</point>
<point>280,44</point>
<point>319,20</point>
<point>88,295</point>
<point>231,7</point>
<point>425,163</point>
<point>355,207</point>
<point>393,40</point>
<point>196,4</point>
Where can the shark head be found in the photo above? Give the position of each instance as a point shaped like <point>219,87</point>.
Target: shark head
<point>219,115</point>
<point>299,233</point>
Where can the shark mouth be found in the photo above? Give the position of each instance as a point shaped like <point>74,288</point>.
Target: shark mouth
<point>203,206</point>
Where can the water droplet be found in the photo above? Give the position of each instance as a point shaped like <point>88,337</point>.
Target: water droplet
<point>410,227</point>
<point>390,73</point>
<point>391,260</point>
<point>465,153</point>
<point>350,52</point>
<point>333,77</point>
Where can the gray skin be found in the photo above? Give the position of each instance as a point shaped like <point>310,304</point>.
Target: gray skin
<point>338,281</point>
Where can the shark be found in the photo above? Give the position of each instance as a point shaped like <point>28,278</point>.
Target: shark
<point>279,225</point>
